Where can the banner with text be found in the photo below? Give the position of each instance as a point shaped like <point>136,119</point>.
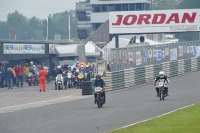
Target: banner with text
<point>23,48</point>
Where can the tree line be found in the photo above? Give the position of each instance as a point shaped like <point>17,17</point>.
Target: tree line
<point>179,4</point>
<point>35,28</point>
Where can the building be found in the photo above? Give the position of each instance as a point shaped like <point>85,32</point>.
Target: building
<point>92,13</point>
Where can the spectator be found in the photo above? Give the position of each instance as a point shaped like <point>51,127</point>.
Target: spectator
<point>9,76</point>
<point>131,40</point>
<point>134,39</point>
<point>14,73</point>
<point>142,39</point>
<point>66,66</point>
<point>26,70</point>
<point>2,77</point>
<point>42,74</point>
<point>20,73</point>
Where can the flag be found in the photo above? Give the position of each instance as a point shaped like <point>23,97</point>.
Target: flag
<point>15,35</point>
<point>47,28</point>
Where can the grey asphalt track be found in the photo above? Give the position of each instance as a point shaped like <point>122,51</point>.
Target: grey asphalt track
<point>123,107</point>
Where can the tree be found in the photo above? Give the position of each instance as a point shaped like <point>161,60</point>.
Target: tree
<point>165,4</point>
<point>188,4</point>
<point>3,30</point>
<point>19,23</point>
<point>35,29</point>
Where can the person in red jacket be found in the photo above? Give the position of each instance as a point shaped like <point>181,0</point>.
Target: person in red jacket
<point>42,74</point>
<point>19,74</point>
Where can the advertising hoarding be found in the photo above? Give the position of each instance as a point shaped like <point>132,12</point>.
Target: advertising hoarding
<point>9,48</point>
<point>154,21</point>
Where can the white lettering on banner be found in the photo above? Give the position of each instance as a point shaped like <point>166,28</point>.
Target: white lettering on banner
<point>23,48</point>
<point>130,56</point>
<point>138,58</point>
<point>154,21</point>
<point>173,54</point>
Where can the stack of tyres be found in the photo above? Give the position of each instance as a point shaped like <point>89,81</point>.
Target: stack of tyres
<point>86,88</point>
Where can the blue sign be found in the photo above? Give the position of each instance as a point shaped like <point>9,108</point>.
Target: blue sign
<point>28,47</point>
<point>159,54</point>
<point>43,47</point>
<point>194,50</point>
<point>145,53</point>
<point>184,49</point>
<point>9,47</point>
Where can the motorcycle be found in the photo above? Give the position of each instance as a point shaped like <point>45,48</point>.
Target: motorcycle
<point>33,79</point>
<point>99,96</point>
<point>59,82</point>
<point>162,93</point>
<point>80,79</point>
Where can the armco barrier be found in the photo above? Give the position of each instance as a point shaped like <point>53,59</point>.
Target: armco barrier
<point>130,77</point>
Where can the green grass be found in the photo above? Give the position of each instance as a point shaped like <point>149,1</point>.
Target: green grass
<point>182,121</point>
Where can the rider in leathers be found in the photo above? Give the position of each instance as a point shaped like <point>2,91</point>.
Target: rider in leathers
<point>162,76</point>
<point>99,83</point>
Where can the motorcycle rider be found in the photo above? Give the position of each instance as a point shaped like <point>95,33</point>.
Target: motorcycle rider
<point>99,82</point>
<point>166,81</point>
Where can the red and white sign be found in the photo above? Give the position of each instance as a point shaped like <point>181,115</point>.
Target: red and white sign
<point>154,21</point>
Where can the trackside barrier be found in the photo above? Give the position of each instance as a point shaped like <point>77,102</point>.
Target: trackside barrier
<point>131,77</point>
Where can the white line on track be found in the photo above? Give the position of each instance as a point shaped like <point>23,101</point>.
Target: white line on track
<point>39,104</point>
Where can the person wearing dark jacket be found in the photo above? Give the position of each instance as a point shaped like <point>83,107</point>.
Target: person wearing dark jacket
<point>2,77</point>
<point>99,83</point>
<point>142,39</point>
<point>9,77</point>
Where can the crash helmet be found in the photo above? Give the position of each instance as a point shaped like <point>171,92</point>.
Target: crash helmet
<point>34,66</point>
<point>161,74</point>
<point>31,63</point>
<point>98,76</point>
<point>77,62</point>
<point>87,66</point>
<point>77,70</point>
<point>82,66</point>
<point>59,67</point>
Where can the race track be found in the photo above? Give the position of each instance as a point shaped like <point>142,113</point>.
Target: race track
<point>123,107</point>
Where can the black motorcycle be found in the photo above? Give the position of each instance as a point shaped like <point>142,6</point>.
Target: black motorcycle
<point>100,100</point>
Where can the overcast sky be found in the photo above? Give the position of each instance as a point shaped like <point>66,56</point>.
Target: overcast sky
<point>38,8</point>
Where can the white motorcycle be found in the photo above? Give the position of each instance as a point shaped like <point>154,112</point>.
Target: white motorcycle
<point>59,85</point>
<point>161,86</point>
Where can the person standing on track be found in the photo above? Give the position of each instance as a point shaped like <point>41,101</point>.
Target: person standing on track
<point>42,74</point>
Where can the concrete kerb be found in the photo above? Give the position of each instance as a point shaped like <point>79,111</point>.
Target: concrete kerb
<point>154,117</point>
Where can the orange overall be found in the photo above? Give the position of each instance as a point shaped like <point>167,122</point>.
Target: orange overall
<point>42,75</point>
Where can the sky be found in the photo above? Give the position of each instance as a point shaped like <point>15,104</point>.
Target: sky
<point>38,8</point>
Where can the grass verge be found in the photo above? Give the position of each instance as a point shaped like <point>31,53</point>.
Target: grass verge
<point>182,121</point>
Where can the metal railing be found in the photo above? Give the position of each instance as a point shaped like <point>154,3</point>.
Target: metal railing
<point>137,56</point>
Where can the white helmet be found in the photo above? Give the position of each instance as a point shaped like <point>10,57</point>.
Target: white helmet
<point>77,71</point>
<point>87,65</point>
<point>59,67</point>
<point>161,74</point>
<point>78,62</point>
<point>34,66</point>
<point>82,66</point>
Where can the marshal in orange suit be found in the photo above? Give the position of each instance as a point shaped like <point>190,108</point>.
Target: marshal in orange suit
<point>42,74</point>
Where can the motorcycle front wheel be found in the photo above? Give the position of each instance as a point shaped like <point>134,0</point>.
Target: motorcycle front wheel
<point>98,101</point>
